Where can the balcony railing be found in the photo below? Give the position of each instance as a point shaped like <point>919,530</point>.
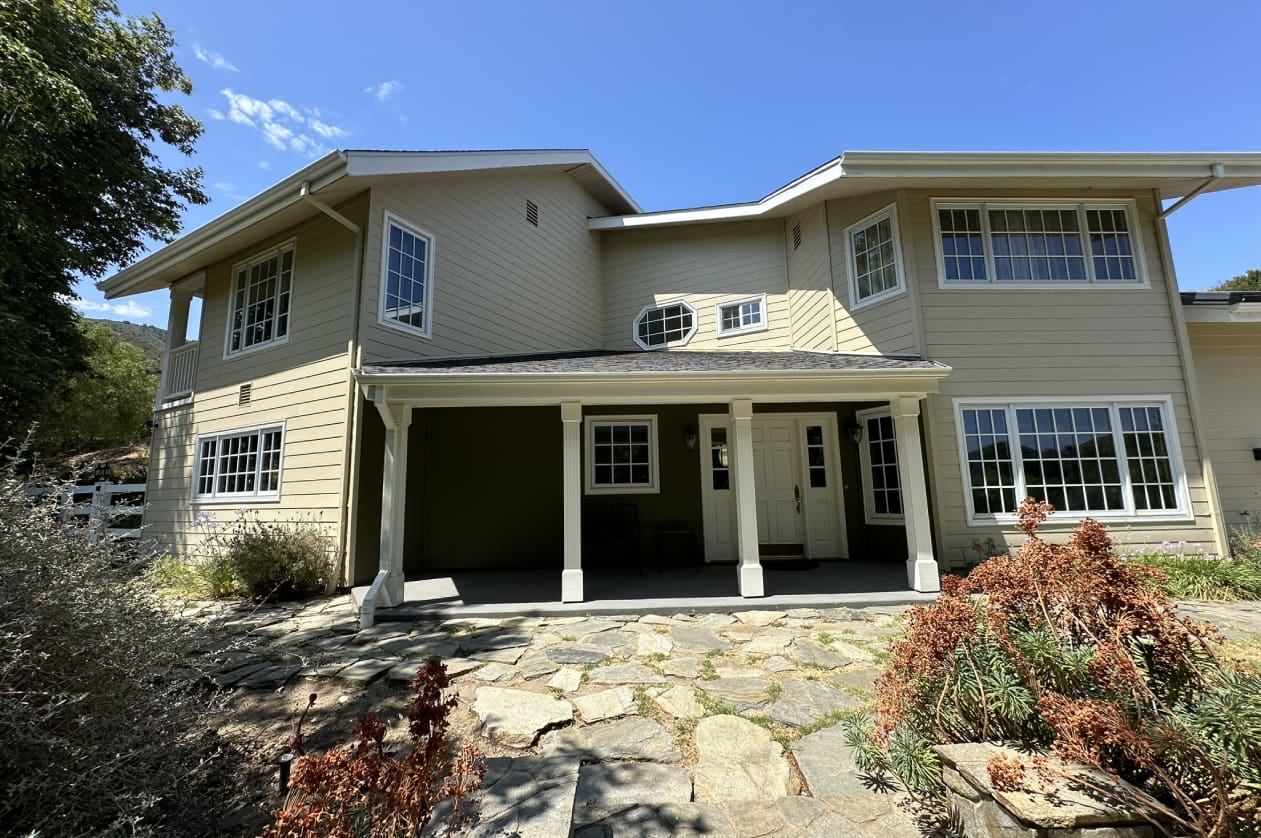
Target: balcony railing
<point>181,372</point>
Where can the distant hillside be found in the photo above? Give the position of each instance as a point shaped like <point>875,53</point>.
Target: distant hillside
<point>149,339</point>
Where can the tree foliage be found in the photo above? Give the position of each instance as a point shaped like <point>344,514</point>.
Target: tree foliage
<point>102,405</point>
<point>82,106</point>
<point>1249,281</point>
<point>1067,648</point>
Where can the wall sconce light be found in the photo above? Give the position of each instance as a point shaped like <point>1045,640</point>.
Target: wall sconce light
<point>689,437</point>
<point>854,431</point>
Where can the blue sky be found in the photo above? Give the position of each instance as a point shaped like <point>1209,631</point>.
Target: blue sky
<point>700,103</point>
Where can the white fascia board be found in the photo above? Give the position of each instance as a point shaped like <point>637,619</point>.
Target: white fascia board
<point>319,174</point>
<point>382,163</point>
<point>1241,313</point>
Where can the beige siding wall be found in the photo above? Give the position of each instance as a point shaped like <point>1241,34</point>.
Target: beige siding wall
<point>1228,374</point>
<point>811,300</point>
<point>886,327</point>
<point>302,382</point>
<point>1008,343</point>
<point>501,286</point>
<point>704,265</point>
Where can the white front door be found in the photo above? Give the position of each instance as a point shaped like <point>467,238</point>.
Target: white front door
<point>778,489</point>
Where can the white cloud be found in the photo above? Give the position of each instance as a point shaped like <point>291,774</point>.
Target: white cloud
<point>282,125</point>
<point>214,59</point>
<point>264,164</point>
<point>228,190</point>
<point>384,90</point>
<point>215,113</point>
<point>127,308</point>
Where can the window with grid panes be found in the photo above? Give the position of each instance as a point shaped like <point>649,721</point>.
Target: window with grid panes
<point>874,258</point>
<point>720,462</point>
<point>261,293</point>
<point>240,464</point>
<point>622,453</point>
<point>406,277</point>
<point>816,457</point>
<point>879,455</point>
<point>1003,243</point>
<point>1110,459</point>
<point>666,325</point>
<point>742,316</point>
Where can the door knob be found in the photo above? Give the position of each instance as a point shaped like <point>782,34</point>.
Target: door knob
<point>797,496</point>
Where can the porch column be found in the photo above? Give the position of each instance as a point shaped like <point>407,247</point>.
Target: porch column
<point>746,499</point>
<point>571,468</point>
<point>386,590</point>
<point>921,566</point>
<point>176,336</point>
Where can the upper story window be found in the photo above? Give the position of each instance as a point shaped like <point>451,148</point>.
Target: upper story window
<point>1023,244</point>
<point>665,325</point>
<point>621,454</point>
<point>1107,459</point>
<point>874,265</point>
<point>239,464</point>
<point>259,310</point>
<point>407,277</point>
<point>748,315</point>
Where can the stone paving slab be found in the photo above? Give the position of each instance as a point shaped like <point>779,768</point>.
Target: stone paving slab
<point>526,797</point>
<point>606,790</point>
<point>631,738</point>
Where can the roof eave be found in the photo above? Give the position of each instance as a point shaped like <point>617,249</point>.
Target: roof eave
<point>936,372</point>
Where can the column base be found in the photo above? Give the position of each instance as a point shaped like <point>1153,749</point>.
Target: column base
<point>751,580</point>
<point>922,575</point>
<point>571,586</point>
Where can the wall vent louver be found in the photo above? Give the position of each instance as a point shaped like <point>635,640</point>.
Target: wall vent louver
<point>532,212</point>
<point>796,236</point>
<point>243,398</point>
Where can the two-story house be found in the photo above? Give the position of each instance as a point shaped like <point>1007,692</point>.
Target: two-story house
<point>455,359</point>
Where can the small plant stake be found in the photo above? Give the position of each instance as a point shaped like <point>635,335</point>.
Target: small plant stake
<point>295,745</point>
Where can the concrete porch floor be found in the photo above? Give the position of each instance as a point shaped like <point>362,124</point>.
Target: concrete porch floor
<point>508,593</point>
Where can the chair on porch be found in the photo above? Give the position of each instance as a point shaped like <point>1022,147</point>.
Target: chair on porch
<point>613,529</point>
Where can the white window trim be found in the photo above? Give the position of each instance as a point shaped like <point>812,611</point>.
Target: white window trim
<point>237,497</point>
<point>891,212</point>
<point>431,250</point>
<point>864,458</point>
<point>668,344</point>
<point>1129,205</point>
<point>760,299</point>
<point>1182,514</point>
<point>228,352</point>
<point>654,461</point>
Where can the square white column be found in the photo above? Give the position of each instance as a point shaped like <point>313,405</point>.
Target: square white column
<point>921,565</point>
<point>386,590</point>
<point>571,467</point>
<point>750,577</point>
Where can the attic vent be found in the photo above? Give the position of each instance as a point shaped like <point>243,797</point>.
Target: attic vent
<point>243,398</point>
<point>796,236</point>
<point>532,212</point>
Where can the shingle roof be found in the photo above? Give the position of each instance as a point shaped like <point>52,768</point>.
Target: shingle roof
<point>599,362</point>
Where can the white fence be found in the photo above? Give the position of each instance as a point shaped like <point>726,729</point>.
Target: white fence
<point>99,508</point>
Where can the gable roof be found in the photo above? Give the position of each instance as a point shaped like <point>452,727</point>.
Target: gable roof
<point>1174,174</point>
<point>333,177</point>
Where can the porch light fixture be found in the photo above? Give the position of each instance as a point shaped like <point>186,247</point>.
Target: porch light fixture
<point>689,437</point>
<point>854,431</point>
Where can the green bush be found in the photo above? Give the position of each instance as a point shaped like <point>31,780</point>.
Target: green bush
<point>266,561</point>
<point>102,711</point>
<point>1069,649</point>
<point>1202,577</point>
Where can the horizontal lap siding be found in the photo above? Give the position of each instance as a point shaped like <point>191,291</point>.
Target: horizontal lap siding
<point>811,301</point>
<point>886,327</point>
<point>704,265</point>
<point>1009,343</point>
<point>302,382</point>
<point>1228,372</point>
<point>501,285</point>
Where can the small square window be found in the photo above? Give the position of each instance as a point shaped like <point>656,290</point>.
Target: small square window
<point>748,315</point>
<point>621,455</point>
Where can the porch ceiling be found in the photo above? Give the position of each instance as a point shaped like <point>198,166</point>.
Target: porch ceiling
<point>666,377</point>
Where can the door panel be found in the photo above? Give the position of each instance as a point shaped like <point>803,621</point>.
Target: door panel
<point>775,481</point>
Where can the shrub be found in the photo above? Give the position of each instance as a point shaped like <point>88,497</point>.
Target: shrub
<point>360,792</point>
<point>1202,577</point>
<point>267,561</point>
<point>99,709</point>
<point>1067,648</point>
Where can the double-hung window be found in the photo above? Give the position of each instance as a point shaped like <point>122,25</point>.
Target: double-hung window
<point>740,316</point>
<point>261,291</point>
<point>621,454</point>
<point>406,277</point>
<point>1089,457</point>
<point>1041,243</point>
<point>878,453</point>
<point>874,263</point>
<point>240,464</point>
